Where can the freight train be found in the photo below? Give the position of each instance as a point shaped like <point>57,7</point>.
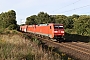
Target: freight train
<point>51,30</point>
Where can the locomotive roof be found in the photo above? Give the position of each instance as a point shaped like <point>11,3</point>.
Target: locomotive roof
<point>48,24</point>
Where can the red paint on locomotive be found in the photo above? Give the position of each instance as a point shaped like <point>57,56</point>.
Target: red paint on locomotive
<point>51,30</point>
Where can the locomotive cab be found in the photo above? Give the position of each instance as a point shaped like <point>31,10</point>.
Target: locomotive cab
<point>58,31</point>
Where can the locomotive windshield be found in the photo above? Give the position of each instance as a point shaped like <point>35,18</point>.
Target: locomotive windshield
<point>58,27</point>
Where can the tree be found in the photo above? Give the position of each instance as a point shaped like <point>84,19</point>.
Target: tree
<point>31,20</point>
<point>62,19</point>
<point>43,18</point>
<point>8,18</point>
<point>40,18</point>
<point>82,25</point>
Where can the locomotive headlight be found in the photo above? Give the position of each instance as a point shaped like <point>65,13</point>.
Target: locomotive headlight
<point>55,31</point>
<point>62,31</point>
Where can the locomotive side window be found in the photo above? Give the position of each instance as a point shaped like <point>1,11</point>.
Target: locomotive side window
<point>50,27</point>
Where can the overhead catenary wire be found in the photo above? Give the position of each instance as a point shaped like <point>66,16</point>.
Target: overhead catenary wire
<point>85,13</point>
<point>75,8</point>
<point>67,5</point>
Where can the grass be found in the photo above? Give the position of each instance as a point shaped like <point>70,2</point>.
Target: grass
<point>16,47</point>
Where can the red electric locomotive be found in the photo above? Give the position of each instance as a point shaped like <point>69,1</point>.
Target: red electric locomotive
<point>51,30</point>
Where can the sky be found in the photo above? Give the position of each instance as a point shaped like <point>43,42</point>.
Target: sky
<point>26,8</point>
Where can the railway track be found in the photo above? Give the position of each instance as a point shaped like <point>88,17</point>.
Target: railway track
<point>78,47</point>
<point>78,50</point>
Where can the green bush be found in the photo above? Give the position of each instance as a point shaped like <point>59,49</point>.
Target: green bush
<point>29,56</point>
<point>1,30</point>
<point>7,32</point>
<point>12,27</point>
<point>14,32</point>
